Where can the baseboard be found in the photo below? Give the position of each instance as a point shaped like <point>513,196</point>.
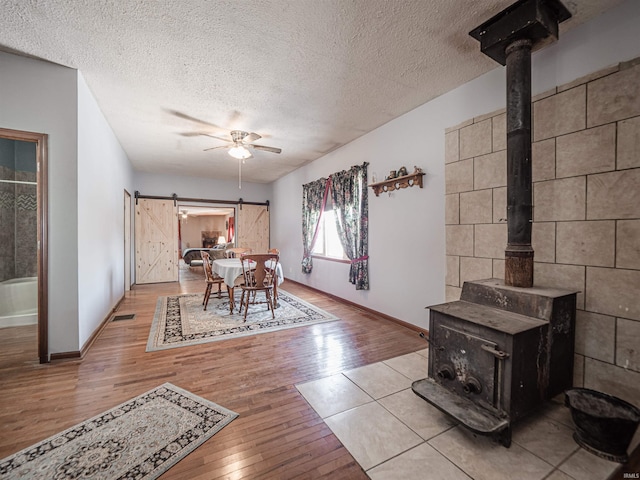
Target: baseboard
<point>402,323</point>
<point>89,343</point>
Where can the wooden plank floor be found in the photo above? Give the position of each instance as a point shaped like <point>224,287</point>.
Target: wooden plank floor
<point>277,435</point>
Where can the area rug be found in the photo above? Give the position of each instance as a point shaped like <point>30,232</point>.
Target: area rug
<point>139,439</point>
<point>181,321</point>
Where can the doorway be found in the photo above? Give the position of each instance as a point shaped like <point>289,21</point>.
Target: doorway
<point>24,240</point>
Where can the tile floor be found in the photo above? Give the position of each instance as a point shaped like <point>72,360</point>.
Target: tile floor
<point>393,433</point>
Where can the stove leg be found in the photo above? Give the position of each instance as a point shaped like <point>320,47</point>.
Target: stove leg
<point>504,437</point>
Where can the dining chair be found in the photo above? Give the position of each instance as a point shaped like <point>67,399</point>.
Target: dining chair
<point>236,251</point>
<point>258,270</point>
<point>210,278</point>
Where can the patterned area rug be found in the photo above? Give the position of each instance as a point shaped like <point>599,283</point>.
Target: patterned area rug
<point>139,439</point>
<point>180,320</point>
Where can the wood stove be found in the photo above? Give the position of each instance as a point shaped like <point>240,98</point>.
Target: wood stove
<point>498,353</point>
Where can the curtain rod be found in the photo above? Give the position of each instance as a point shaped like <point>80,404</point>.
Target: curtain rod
<point>177,199</point>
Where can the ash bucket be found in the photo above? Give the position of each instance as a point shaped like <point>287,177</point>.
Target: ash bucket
<point>605,424</point>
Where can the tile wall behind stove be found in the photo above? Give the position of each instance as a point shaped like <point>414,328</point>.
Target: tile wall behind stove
<point>586,230</point>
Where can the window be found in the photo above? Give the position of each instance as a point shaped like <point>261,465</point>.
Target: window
<point>328,242</point>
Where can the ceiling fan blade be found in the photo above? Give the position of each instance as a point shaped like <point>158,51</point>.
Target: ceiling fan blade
<point>214,148</point>
<point>265,148</point>
<point>228,140</point>
<point>252,137</point>
<point>194,119</point>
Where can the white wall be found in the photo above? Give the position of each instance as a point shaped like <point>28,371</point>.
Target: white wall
<point>104,171</point>
<point>200,187</point>
<point>406,229</point>
<point>41,97</point>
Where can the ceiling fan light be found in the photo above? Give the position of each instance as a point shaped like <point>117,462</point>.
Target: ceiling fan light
<point>240,152</point>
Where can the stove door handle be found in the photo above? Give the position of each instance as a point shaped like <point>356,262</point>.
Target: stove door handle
<point>430,342</point>
<point>499,354</point>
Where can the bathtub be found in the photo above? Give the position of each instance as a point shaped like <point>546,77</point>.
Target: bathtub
<point>19,302</point>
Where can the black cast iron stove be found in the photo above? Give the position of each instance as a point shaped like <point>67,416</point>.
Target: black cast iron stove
<point>498,353</point>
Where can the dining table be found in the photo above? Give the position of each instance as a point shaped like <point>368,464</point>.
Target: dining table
<point>230,269</point>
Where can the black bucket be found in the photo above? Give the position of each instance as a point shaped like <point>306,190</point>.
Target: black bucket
<point>605,424</point>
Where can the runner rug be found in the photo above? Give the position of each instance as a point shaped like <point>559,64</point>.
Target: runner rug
<point>180,320</point>
<point>139,439</point>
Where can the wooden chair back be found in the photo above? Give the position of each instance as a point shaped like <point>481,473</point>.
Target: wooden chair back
<point>259,270</point>
<point>236,251</point>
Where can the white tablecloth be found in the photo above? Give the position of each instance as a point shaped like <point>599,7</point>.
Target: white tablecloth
<point>231,270</point>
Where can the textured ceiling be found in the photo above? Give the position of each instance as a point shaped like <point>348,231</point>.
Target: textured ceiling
<point>307,75</point>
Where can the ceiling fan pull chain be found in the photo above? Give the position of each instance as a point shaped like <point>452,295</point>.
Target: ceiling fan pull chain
<point>239,174</point>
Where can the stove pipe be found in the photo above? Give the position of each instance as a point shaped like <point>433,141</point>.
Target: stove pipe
<point>509,38</point>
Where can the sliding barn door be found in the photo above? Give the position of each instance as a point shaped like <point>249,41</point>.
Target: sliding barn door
<point>156,241</point>
<point>253,228</point>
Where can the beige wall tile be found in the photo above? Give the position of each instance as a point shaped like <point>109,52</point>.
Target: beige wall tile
<point>459,240</point>
<point>628,244</point>
<point>459,176</point>
<point>590,77</point>
<point>472,268</point>
<point>458,126</point>
<point>627,341</point>
<point>543,160</point>
<point>499,132</point>
<point>588,151</point>
<point>481,118</point>
<point>614,97</point>
<point>568,277</point>
<point>559,114</point>
<point>547,93</point>
<point>500,205</point>
<point>452,209</point>
<point>543,241</point>
<point>595,335</point>
<point>451,147</point>
<point>586,243</point>
<point>452,294</point>
<point>498,268</point>
<point>562,199</point>
<point>614,195</point>
<point>617,381</point>
<point>476,207</point>
<point>629,143</point>
<point>578,371</point>
<point>490,171</point>
<point>453,271</point>
<point>490,240</point>
<point>613,292</point>
<point>475,139</point>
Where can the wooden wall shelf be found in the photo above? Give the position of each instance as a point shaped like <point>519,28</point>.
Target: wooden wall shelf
<point>397,183</point>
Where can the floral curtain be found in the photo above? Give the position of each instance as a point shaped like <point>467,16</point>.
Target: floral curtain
<point>351,206</point>
<point>314,198</point>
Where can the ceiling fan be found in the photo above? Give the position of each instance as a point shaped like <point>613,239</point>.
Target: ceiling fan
<point>241,143</point>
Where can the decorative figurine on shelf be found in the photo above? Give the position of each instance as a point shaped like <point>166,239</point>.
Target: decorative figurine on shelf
<point>417,169</point>
<point>402,172</point>
<point>392,174</point>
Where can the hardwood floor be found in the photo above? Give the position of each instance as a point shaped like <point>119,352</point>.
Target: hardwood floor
<point>277,434</point>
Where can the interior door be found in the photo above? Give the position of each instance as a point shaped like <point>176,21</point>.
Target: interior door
<point>127,241</point>
<point>253,228</point>
<point>156,240</point>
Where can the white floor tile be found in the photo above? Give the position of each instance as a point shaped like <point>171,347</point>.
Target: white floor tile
<point>412,365</point>
<point>371,434</point>
<point>583,465</point>
<point>418,463</point>
<point>419,415</point>
<point>483,459</point>
<point>332,395</point>
<point>550,440</point>
<point>378,379</point>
